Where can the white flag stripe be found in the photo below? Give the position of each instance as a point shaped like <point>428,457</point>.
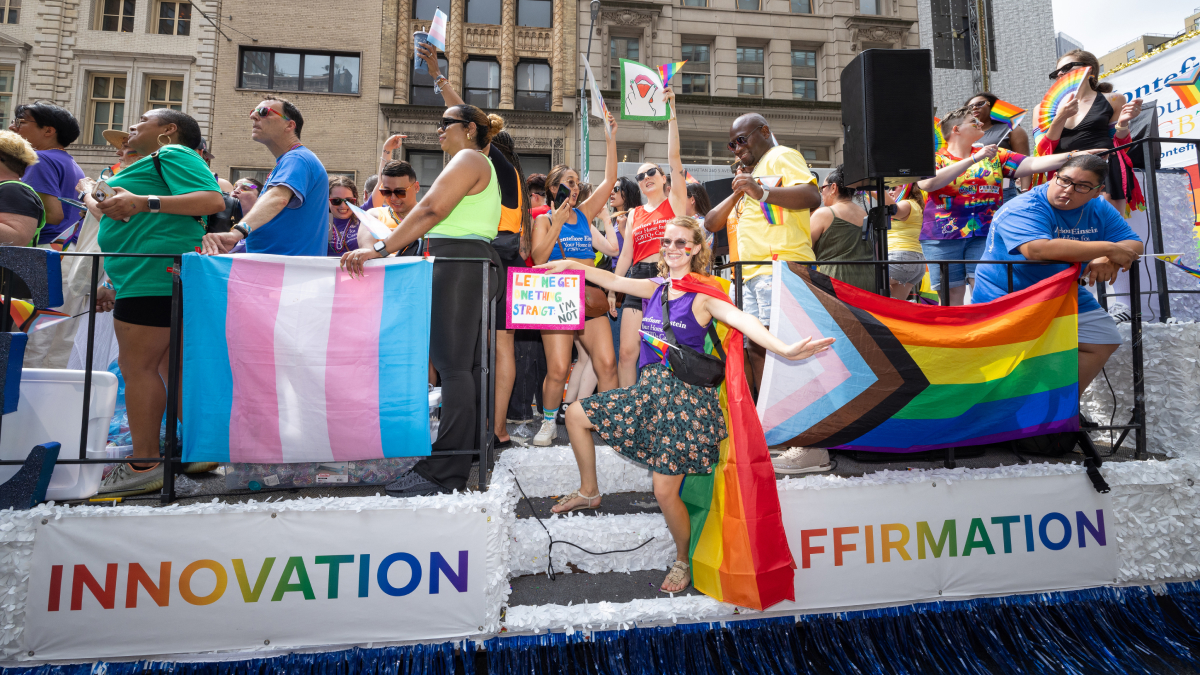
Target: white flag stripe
<point>301,340</point>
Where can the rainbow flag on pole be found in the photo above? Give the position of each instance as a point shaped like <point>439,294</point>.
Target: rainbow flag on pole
<point>939,139</point>
<point>1007,113</point>
<point>1174,259</point>
<point>290,359</point>
<point>668,70</point>
<point>739,551</point>
<point>1187,89</point>
<point>905,377</point>
<point>28,319</point>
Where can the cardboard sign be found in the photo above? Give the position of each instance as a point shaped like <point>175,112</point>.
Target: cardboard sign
<point>540,300</point>
<point>642,93</point>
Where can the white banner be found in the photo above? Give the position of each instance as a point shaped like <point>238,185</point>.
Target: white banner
<point>1151,80</point>
<point>135,586</point>
<point>934,540</point>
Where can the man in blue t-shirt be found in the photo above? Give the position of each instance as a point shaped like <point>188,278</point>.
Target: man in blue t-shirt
<point>291,217</point>
<point>50,129</point>
<point>1063,220</point>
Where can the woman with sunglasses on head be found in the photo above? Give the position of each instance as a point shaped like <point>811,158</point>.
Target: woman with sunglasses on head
<point>458,218</point>
<point>566,232</point>
<point>343,224</point>
<point>665,198</point>
<point>672,426</point>
<point>1086,121</point>
<point>994,133</point>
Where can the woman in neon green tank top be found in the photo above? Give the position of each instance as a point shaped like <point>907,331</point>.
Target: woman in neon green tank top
<point>458,218</point>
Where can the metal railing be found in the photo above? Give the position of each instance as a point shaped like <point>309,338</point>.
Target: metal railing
<point>172,458</point>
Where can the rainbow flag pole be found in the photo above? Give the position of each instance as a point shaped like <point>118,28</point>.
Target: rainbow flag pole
<point>668,70</point>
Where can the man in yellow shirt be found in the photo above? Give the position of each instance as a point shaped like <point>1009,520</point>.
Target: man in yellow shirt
<point>398,186</point>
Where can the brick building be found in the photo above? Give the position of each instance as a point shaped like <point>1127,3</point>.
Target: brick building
<point>107,61</point>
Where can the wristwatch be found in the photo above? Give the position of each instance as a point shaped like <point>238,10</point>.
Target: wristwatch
<point>243,228</point>
<point>154,204</point>
<point>381,248</point>
<point>766,193</point>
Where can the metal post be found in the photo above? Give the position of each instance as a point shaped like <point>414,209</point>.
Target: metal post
<point>173,354</point>
<point>6,285</point>
<point>1154,219</point>
<point>944,284</point>
<point>585,151</point>
<point>1009,269</point>
<point>737,283</point>
<point>880,228</point>
<point>485,440</point>
<point>489,317</point>
<point>1139,379</point>
<point>89,359</point>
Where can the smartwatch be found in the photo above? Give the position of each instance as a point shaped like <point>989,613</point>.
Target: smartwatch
<point>766,193</point>
<point>243,228</point>
<point>381,248</point>
<point>154,204</point>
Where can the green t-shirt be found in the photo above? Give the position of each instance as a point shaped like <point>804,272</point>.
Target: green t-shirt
<point>154,232</point>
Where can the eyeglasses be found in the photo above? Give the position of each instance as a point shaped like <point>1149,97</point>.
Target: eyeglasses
<point>1055,74</point>
<point>648,173</point>
<point>445,123</point>
<point>976,106</point>
<point>1081,188</point>
<point>338,201</point>
<point>742,140</point>
<point>681,244</point>
<point>17,122</point>
<point>263,111</point>
<point>399,192</point>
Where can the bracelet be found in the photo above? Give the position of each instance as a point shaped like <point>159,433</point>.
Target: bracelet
<point>108,285</point>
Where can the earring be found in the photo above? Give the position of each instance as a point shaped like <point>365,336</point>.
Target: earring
<point>161,142</point>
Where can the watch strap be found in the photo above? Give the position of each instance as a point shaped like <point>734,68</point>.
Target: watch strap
<point>244,229</point>
<point>380,247</point>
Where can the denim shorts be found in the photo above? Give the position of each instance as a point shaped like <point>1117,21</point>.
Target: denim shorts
<point>756,297</point>
<point>1098,328</point>
<point>970,248</point>
<point>909,273</point>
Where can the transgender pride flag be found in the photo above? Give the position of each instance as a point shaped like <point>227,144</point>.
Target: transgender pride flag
<point>291,360</point>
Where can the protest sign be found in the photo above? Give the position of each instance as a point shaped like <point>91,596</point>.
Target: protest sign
<point>642,93</point>
<point>537,299</point>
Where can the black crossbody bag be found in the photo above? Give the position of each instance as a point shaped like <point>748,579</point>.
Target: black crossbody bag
<point>695,368</point>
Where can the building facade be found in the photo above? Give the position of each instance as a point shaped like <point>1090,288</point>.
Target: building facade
<point>780,58</point>
<point>108,61</point>
<point>1131,50</point>
<point>1064,43</point>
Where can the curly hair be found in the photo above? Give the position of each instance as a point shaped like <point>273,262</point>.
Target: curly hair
<point>703,255</point>
<point>16,153</point>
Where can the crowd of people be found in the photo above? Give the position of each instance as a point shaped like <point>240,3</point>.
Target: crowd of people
<point>638,240</point>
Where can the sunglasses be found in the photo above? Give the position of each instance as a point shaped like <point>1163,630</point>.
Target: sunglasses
<point>263,111</point>
<point>742,140</point>
<point>1054,75</point>
<point>681,244</point>
<point>399,192</point>
<point>977,106</point>
<point>445,123</point>
<point>338,201</point>
<point>648,173</point>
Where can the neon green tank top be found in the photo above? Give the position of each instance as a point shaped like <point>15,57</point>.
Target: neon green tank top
<point>475,217</point>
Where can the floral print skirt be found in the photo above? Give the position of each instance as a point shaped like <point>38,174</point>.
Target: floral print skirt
<point>663,422</point>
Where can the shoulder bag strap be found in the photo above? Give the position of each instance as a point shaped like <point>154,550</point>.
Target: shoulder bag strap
<point>666,313</point>
<point>158,168</point>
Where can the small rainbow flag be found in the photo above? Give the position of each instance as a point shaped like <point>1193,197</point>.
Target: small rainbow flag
<point>1064,86</point>
<point>659,346</point>
<point>939,139</point>
<point>668,70</point>
<point>772,212</point>
<point>1187,90</point>
<point>1172,260</point>
<point>28,319</point>
<point>689,178</point>
<point>1007,113</point>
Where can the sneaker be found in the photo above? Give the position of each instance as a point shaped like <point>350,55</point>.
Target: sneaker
<point>413,484</point>
<point>526,430</point>
<point>123,481</point>
<point>547,434</point>
<point>560,417</point>
<point>802,460</point>
<point>1119,311</point>
<point>200,467</point>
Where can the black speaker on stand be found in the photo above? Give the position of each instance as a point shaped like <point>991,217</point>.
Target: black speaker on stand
<point>887,125</point>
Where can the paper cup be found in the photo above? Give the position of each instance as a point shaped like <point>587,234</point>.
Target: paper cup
<point>420,37</point>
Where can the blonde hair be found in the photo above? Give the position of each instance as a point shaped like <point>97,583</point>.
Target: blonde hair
<point>16,153</point>
<point>702,257</point>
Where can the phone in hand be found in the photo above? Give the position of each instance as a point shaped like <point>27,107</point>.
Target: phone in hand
<point>103,191</point>
<point>563,194</point>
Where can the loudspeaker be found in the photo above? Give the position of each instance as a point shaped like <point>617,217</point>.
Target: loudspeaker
<point>887,116</point>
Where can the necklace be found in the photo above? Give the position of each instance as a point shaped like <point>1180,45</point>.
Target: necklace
<point>340,237</point>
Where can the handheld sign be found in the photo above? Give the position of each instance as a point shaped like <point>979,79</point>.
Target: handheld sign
<point>537,299</point>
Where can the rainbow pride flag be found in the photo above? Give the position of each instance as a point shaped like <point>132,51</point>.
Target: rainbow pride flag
<point>28,319</point>
<point>289,359</point>
<point>658,345</point>
<point>668,70</point>
<point>1187,89</point>
<point>1174,260</point>
<point>739,551</point>
<point>1007,113</point>
<point>939,139</point>
<point>905,377</point>
<point>772,212</point>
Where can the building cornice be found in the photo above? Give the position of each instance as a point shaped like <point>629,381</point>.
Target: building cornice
<point>721,105</point>
<point>11,42</point>
<point>423,114</point>
<point>134,56</point>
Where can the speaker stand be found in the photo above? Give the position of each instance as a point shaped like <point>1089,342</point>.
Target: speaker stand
<point>880,219</point>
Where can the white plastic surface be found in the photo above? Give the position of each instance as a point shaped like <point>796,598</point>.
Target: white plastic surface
<point>49,410</point>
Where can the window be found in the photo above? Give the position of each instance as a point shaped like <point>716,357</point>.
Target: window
<point>483,83</point>
<point>299,71</point>
<point>423,9</point>
<point>815,156</point>
<point>7,76</point>
<point>750,71</point>
<point>174,18</point>
<point>951,36</point>
<point>695,78</point>
<point>804,74</point>
<point>116,15</point>
<point>695,3</point>
<point>748,4</point>
<point>482,11</point>
<point>620,48</point>
<point>629,153</point>
<point>535,13</point>
<point>868,6</point>
<point>801,6</point>
<point>238,173</point>
<point>164,93</point>
<point>533,86</point>
<point>695,151</point>
<point>427,165</point>
<point>535,164</point>
<point>422,92</point>
<point>10,11</point>
<point>1130,54</point>
<point>106,105</point>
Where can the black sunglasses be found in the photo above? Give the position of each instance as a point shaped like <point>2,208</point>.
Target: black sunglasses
<point>1054,75</point>
<point>742,140</point>
<point>648,173</point>
<point>399,192</point>
<point>338,201</point>
<point>445,123</point>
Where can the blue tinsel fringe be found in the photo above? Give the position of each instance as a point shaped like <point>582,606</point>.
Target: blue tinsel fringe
<point>1100,630</point>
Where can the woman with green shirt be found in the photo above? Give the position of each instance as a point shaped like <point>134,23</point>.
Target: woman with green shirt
<point>155,210</point>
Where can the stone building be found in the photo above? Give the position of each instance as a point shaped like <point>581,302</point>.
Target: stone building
<point>108,61</point>
<point>782,58</point>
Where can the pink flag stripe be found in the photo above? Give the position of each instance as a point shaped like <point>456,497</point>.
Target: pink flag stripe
<point>253,305</point>
<point>352,366</point>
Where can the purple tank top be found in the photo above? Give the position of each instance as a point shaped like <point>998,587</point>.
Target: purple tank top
<point>687,330</point>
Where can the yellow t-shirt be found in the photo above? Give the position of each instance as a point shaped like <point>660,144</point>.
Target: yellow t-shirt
<point>790,239</point>
<point>905,235</point>
<point>385,215</point>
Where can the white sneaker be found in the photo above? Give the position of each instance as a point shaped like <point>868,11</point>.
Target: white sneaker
<point>546,435</point>
<point>802,460</point>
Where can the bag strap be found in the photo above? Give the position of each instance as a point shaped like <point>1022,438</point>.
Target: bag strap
<point>158,168</point>
<point>670,334</point>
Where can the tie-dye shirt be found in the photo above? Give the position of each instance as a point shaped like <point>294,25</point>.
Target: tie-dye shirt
<point>965,207</point>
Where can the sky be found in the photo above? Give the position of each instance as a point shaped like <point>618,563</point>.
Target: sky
<point>1104,25</point>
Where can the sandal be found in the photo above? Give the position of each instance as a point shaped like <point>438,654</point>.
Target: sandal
<point>578,495</point>
<point>678,574</point>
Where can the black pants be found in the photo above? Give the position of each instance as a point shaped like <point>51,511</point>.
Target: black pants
<point>531,371</point>
<point>454,351</point>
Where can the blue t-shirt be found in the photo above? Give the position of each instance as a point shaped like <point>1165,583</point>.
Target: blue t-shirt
<point>576,239</point>
<point>302,228</point>
<point>56,174</point>
<point>1030,217</point>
